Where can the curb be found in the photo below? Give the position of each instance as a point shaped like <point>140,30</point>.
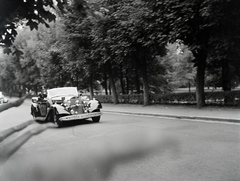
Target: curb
<point>179,117</point>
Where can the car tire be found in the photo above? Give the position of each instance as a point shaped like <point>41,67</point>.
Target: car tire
<point>56,119</point>
<point>96,119</point>
<point>34,112</point>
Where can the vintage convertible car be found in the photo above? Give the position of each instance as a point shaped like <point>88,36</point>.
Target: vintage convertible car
<point>64,104</point>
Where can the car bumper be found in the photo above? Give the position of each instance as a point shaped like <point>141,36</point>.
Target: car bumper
<point>80,116</point>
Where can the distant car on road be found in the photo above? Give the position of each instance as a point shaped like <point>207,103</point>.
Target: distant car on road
<point>3,99</point>
<point>64,104</point>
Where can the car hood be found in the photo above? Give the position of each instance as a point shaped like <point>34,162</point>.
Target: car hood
<point>60,109</point>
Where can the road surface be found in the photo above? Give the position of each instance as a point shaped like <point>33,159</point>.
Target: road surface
<point>123,147</point>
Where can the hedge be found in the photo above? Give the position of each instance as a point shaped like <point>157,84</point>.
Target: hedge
<point>230,98</point>
<point>220,98</point>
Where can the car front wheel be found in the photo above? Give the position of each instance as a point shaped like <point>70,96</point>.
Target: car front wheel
<point>56,119</point>
<point>96,119</point>
<point>34,112</point>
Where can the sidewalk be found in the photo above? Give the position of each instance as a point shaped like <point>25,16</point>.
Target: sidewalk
<point>181,112</point>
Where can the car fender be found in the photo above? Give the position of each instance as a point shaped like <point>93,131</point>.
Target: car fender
<point>5,100</point>
<point>34,105</point>
<point>94,105</point>
<point>60,109</point>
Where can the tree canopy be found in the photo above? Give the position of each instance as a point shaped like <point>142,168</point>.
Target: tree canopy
<point>126,46</point>
<point>14,13</point>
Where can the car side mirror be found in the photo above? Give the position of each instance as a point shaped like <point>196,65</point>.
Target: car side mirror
<point>34,99</point>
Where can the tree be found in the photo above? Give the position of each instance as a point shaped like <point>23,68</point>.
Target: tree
<point>27,70</point>
<point>225,43</point>
<point>103,42</point>
<point>39,62</point>
<point>179,65</point>
<point>13,13</point>
<point>78,48</point>
<point>7,77</point>
<point>196,23</point>
<point>134,40</point>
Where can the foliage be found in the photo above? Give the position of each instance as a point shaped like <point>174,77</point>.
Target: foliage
<point>203,26</point>
<point>77,49</point>
<point>212,98</point>
<point>125,44</point>
<point>130,40</point>
<point>13,13</point>
<point>179,66</point>
<point>38,62</point>
<point>127,98</point>
<point>7,71</point>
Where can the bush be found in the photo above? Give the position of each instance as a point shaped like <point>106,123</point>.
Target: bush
<point>175,98</point>
<point>231,98</point>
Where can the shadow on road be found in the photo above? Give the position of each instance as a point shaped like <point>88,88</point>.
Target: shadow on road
<point>71,123</point>
<point>77,122</point>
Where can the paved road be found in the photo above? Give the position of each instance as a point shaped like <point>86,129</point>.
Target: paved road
<point>125,147</point>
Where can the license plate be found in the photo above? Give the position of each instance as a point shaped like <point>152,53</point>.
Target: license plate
<point>80,116</point>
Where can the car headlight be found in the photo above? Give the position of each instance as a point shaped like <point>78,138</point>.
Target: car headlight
<point>77,103</point>
<point>72,111</point>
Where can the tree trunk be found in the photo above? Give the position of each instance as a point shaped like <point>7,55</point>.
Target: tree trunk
<point>105,85</point>
<point>121,80</point>
<point>146,96</point>
<point>226,77</point>
<point>1,83</point>
<point>201,66</point>
<point>91,88</point>
<point>137,82</point>
<point>127,83</point>
<point>77,83</point>
<point>112,84</point>
<point>189,86</point>
<point>109,88</point>
<point>226,82</point>
<point>36,89</point>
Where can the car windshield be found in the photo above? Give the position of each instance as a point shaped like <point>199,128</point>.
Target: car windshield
<point>63,91</point>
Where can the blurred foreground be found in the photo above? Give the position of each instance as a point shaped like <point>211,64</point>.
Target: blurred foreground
<point>94,163</point>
